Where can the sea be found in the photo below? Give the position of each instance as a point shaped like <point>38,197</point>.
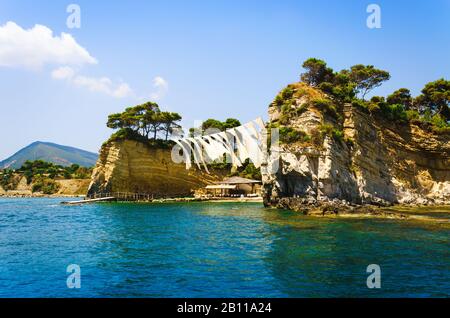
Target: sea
<point>205,249</point>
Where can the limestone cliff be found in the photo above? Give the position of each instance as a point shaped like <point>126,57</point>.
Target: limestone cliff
<point>352,156</point>
<point>131,166</point>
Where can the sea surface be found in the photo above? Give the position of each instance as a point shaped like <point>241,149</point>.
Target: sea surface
<point>214,250</point>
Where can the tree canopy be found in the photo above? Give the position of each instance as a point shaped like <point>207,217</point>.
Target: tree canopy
<point>146,120</point>
<point>346,84</point>
<point>367,77</point>
<point>435,98</point>
<point>402,97</point>
<point>352,86</point>
<point>316,72</point>
<point>213,125</point>
<point>217,124</point>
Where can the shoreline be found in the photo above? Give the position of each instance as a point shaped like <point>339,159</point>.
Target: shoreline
<point>39,196</point>
<point>323,209</point>
<point>427,213</point>
<point>398,212</point>
<point>162,200</point>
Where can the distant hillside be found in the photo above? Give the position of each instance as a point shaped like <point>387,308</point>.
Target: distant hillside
<point>50,152</point>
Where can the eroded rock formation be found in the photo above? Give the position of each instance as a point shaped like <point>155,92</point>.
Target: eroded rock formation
<point>374,161</point>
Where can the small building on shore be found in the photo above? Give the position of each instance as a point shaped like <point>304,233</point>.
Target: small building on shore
<point>235,187</point>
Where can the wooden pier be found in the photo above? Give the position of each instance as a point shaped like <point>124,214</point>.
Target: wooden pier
<point>87,201</point>
<point>116,196</point>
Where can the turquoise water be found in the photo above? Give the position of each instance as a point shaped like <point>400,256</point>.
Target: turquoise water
<point>213,250</point>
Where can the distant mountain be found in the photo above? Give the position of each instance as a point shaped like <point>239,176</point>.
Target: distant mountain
<point>50,152</point>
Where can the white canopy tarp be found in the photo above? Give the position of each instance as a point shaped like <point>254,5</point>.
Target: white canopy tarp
<point>239,144</point>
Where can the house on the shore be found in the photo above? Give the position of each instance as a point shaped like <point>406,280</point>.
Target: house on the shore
<point>235,187</point>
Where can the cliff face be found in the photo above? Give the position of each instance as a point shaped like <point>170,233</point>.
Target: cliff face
<point>68,187</point>
<point>73,186</point>
<point>373,162</point>
<point>131,166</point>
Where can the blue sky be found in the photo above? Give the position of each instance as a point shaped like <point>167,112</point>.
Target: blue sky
<point>209,58</point>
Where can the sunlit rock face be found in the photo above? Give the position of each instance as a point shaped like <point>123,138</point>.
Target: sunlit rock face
<point>374,162</point>
<point>133,167</point>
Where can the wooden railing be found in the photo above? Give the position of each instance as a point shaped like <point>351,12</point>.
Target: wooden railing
<point>129,196</point>
<point>122,196</point>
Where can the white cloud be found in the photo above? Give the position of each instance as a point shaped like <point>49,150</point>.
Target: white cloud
<point>64,72</point>
<point>36,47</point>
<point>102,85</point>
<point>161,86</point>
<point>123,90</point>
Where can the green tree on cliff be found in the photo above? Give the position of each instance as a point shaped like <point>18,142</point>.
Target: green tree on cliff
<point>219,125</point>
<point>212,124</point>
<point>147,116</point>
<point>431,108</point>
<point>402,97</point>
<point>169,122</point>
<point>143,120</point>
<point>316,73</point>
<point>367,77</point>
<point>231,123</point>
<point>341,88</point>
<point>435,97</point>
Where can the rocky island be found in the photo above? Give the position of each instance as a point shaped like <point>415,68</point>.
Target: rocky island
<point>137,159</point>
<point>339,150</point>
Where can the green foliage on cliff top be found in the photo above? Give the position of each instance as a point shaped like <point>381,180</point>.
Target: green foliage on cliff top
<point>401,114</point>
<point>345,84</point>
<point>144,122</point>
<point>286,101</point>
<point>352,85</point>
<point>212,125</point>
<point>128,134</point>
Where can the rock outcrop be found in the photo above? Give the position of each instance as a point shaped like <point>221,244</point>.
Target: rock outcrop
<point>73,186</point>
<point>66,187</point>
<point>133,167</point>
<point>368,161</point>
